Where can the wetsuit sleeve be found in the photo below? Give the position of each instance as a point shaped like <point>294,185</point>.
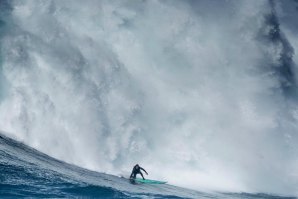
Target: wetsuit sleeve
<point>144,170</point>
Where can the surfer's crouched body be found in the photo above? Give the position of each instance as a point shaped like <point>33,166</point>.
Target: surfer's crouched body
<point>137,170</point>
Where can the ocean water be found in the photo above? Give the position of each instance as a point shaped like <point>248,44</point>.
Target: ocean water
<point>28,173</point>
<point>201,93</point>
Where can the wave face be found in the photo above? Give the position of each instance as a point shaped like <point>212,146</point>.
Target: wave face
<point>26,172</point>
<point>204,91</point>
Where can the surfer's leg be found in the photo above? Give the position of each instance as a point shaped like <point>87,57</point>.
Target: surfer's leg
<point>142,175</point>
<point>132,176</point>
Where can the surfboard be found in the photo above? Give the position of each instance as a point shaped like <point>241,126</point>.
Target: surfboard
<point>147,181</point>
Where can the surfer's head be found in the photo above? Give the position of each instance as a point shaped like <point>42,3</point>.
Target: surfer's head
<point>137,166</point>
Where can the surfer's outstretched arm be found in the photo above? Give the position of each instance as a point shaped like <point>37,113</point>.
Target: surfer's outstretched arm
<point>144,170</point>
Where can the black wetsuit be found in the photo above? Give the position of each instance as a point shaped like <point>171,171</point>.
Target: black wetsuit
<point>137,170</point>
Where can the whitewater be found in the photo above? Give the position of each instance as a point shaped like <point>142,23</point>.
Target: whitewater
<point>202,94</point>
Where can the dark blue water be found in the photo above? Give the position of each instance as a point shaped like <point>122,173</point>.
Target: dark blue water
<point>28,173</point>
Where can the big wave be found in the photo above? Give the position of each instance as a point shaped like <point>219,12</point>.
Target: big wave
<point>201,93</point>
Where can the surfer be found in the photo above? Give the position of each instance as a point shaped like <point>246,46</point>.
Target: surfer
<point>137,170</point>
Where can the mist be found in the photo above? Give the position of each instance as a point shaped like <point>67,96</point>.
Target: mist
<point>200,93</point>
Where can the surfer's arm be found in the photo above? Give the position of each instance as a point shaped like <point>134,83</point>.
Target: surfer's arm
<point>144,170</point>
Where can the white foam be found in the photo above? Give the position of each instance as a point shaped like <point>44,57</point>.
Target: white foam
<point>176,86</point>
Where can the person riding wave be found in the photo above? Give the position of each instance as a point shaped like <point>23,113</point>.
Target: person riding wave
<point>137,170</point>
